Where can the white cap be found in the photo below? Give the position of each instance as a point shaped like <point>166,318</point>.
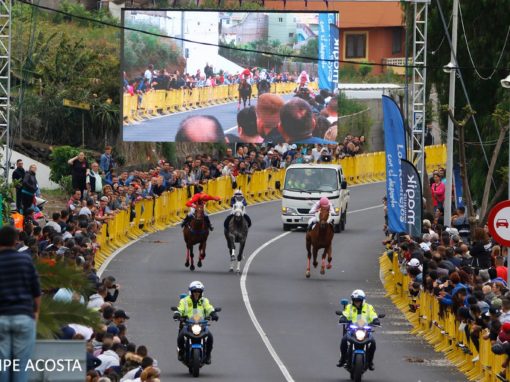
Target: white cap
<point>414,263</point>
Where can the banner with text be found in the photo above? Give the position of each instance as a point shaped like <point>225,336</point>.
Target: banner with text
<point>411,206</point>
<point>329,47</point>
<point>395,149</point>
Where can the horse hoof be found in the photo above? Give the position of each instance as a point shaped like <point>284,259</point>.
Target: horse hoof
<point>192,268</point>
<point>186,264</point>
<point>322,271</point>
<point>329,266</point>
<point>315,264</point>
<point>238,272</point>
<point>307,274</point>
<point>199,264</point>
<point>231,270</point>
<point>240,258</point>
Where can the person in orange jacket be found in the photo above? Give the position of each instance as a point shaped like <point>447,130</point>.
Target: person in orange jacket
<point>200,198</point>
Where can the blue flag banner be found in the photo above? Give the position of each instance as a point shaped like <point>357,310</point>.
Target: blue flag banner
<point>458,186</point>
<point>329,48</point>
<point>411,206</point>
<point>395,147</point>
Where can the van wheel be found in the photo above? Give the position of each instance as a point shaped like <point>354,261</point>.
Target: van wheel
<point>338,227</point>
<point>286,227</point>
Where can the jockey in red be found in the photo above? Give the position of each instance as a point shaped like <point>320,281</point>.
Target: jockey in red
<point>246,75</point>
<point>199,198</point>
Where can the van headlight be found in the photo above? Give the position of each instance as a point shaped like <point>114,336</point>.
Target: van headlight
<point>337,210</point>
<point>289,211</point>
<point>360,335</point>
<point>196,329</point>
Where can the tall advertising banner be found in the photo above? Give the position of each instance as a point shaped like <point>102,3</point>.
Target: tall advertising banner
<point>411,206</point>
<point>395,147</point>
<point>329,48</point>
<point>459,202</point>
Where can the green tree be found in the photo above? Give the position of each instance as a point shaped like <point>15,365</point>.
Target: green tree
<point>485,32</point>
<point>310,49</point>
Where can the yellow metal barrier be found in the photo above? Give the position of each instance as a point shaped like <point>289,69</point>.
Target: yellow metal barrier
<point>441,331</point>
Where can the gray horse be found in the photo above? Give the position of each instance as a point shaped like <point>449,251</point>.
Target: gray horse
<point>237,232</point>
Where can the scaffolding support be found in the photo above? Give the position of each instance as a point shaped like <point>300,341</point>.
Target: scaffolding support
<point>419,105</point>
<point>5,81</point>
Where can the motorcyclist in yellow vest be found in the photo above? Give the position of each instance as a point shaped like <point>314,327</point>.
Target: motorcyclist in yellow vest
<point>358,309</point>
<point>195,300</point>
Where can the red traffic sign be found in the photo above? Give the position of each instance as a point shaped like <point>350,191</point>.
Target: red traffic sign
<point>499,223</point>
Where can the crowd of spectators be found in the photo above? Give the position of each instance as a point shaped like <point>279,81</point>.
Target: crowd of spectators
<point>463,267</point>
<point>152,79</point>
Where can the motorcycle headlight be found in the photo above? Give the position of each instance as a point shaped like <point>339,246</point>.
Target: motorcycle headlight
<point>360,335</point>
<point>196,329</point>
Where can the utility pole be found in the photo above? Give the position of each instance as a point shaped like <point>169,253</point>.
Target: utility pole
<point>451,106</point>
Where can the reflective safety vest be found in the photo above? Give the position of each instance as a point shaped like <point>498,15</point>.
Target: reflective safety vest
<point>367,313</point>
<point>186,307</point>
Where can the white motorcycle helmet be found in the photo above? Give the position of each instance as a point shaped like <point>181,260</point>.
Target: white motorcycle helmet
<point>238,194</point>
<point>196,286</point>
<point>358,295</point>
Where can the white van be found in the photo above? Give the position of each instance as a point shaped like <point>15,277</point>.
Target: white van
<point>304,185</point>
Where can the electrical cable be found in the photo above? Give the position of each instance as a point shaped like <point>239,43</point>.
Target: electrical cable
<point>469,50</point>
<point>412,66</point>
<point>461,78</point>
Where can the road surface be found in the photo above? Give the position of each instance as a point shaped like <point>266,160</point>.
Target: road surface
<point>296,314</point>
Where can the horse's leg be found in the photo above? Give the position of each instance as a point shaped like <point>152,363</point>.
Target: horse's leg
<point>249,99</point>
<point>232,249</point>
<point>186,264</point>
<point>330,256</point>
<point>191,255</point>
<point>240,255</point>
<point>200,255</point>
<point>239,104</point>
<point>308,255</point>
<point>323,262</point>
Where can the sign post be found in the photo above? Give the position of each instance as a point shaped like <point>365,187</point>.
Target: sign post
<point>499,227</point>
<point>82,106</point>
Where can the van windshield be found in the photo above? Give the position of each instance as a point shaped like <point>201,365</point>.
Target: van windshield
<point>311,180</point>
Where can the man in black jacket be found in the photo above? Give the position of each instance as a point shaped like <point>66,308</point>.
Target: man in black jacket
<point>29,188</point>
<point>19,175</point>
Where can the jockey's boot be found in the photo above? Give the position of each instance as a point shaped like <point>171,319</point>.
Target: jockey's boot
<point>186,220</point>
<point>208,223</point>
<point>248,220</point>
<point>309,228</point>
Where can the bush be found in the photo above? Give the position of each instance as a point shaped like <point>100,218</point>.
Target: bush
<point>66,182</point>
<point>364,70</point>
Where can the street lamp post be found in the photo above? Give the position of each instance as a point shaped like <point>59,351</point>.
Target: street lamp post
<point>506,84</point>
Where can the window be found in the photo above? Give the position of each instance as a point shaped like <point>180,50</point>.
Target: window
<point>397,41</point>
<point>356,46</point>
<point>291,35</point>
<point>280,19</point>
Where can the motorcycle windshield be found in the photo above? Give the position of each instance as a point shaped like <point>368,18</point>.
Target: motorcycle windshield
<point>197,316</point>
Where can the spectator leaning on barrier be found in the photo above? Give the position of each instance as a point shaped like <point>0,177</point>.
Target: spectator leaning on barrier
<point>20,297</point>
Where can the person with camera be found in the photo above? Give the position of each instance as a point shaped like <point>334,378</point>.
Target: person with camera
<point>112,288</point>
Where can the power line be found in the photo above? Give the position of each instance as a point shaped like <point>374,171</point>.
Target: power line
<point>234,48</point>
<point>469,50</point>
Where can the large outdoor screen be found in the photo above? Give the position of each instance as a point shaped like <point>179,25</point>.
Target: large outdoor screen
<point>223,76</point>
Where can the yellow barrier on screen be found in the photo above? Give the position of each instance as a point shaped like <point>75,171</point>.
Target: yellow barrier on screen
<point>156,102</point>
<point>440,329</point>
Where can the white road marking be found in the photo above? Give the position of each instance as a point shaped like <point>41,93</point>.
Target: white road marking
<point>251,313</point>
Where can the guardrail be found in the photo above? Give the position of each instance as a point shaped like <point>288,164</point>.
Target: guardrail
<point>150,215</point>
<point>442,331</point>
<point>161,102</point>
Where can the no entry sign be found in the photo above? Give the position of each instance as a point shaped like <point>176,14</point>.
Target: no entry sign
<point>499,223</point>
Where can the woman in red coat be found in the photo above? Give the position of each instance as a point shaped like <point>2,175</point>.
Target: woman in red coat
<point>438,192</point>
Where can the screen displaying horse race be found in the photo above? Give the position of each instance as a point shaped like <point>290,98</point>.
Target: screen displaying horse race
<point>223,76</point>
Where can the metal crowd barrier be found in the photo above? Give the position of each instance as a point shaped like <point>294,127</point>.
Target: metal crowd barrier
<point>442,331</point>
<point>159,102</point>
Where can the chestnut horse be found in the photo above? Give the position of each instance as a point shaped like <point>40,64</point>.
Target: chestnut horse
<point>321,236</point>
<point>196,232</point>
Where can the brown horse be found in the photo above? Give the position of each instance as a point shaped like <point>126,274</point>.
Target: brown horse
<point>319,237</point>
<point>244,90</point>
<point>196,232</point>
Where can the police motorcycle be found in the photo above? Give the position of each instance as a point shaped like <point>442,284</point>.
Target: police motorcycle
<point>195,339</point>
<point>359,335</point>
